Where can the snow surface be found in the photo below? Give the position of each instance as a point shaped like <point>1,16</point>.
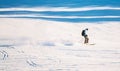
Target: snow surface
<point>40,45</point>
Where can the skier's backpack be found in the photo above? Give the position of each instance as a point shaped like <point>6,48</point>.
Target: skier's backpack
<point>83,32</point>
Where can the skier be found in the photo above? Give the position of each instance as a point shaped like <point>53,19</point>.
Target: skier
<point>85,35</point>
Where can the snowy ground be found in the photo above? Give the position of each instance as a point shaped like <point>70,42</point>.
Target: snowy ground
<point>39,45</point>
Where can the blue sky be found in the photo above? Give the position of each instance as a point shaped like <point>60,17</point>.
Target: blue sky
<point>62,10</point>
<point>58,3</point>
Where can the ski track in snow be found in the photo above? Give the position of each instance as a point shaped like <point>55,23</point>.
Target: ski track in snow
<point>31,63</point>
<point>48,62</point>
<point>4,54</point>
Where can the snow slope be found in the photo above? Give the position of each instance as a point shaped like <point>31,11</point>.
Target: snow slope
<point>40,45</point>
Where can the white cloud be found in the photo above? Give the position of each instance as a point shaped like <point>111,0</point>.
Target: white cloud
<point>57,9</point>
<point>69,17</point>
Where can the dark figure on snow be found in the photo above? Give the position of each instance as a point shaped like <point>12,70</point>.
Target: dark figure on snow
<point>85,35</point>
